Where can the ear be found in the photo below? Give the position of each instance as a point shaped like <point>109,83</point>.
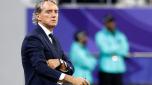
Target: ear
<point>38,16</point>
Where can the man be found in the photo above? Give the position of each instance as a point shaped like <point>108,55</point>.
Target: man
<point>43,60</point>
<point>84,62</point>
<point>113,46</point>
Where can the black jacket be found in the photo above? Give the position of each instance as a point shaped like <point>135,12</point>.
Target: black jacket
<point>36,50</point>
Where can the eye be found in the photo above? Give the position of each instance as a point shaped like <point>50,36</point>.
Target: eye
<point>48,11</point>
<point>56,11</point>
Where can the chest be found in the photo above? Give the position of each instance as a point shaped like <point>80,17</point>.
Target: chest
<point>52,51</point>
<point>113,40</point>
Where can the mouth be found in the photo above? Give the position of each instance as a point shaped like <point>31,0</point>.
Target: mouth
<point>53,20</point>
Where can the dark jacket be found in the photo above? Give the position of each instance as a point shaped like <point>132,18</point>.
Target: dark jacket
<point>36,50</point>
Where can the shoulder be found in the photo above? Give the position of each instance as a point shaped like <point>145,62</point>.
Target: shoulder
<point>120,33</point>
<point>100,34</point>
<point>32,36</point>
<point>34,33</point>
<point>74,45</point>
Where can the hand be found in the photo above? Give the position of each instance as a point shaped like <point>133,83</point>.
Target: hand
<point>63,67</point>
<point>80,81</point>
<point>53,63</point>
<point>75,81</point>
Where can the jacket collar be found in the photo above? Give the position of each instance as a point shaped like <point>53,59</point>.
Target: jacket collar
<point>47,32</point>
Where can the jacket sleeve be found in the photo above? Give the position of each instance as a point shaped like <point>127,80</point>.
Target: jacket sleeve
<point>67,60</point>
<point>103,45</point>
<point>124,46</point>
<point>82,58</point>
<point>33,48</point>
<point>121,50</point>
<point>69,64</point>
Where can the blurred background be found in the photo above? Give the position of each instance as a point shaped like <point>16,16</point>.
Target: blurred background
<point>133,18</point>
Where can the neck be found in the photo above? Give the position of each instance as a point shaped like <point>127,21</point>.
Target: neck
<point>50,28</point>
<point>83,43</point>
<point>112,31</point>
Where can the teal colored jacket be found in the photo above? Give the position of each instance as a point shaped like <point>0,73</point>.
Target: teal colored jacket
<point>84,63</point>
<point>113,49</point>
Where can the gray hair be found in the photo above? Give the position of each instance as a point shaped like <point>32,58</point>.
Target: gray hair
<point>38,9</point>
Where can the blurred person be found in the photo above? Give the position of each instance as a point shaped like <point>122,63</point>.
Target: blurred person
<point>88,1</point>
<point>84,62</point>
<point>131,3</point>
<point>43,60</point>
<point>64,1</point>
<point>78,1</point>
<point>113,46</point>
<point>112,1</point>
<point>149,2</point>
<point>97,1</point>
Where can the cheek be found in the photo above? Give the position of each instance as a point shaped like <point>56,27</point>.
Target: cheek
<point>57,16</point>
<point>44,16</point>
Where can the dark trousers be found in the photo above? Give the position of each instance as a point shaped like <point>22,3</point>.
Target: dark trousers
<point>110,79</point>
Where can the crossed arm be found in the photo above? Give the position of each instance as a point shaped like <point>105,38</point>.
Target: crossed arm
<point>54,63</point>
<point>34,49</point>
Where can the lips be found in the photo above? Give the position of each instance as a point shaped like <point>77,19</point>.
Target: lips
<point>53,20</point>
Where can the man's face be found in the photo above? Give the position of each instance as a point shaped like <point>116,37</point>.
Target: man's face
<point>111,25</point>
<point>83,38</point>
<point>49,14</point>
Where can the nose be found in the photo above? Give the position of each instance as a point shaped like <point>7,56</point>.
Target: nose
<point>54,14</point>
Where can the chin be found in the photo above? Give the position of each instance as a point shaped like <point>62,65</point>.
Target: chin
<point>52,24</point>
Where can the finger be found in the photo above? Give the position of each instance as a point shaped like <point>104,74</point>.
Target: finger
<point>51,65</point>
<point>84,82</point>
<point>88,83</point>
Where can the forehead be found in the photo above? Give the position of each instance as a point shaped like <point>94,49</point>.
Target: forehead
<point>49,6</point>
